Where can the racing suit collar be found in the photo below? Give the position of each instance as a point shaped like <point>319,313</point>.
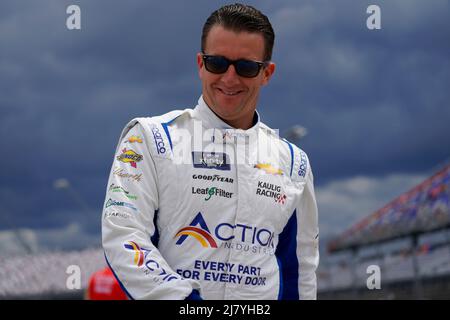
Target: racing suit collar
<point>223,132</point>
<point>213,121</point>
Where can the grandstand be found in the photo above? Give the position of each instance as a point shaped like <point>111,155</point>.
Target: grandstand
<point>43,276</point>
<point>408,239</point>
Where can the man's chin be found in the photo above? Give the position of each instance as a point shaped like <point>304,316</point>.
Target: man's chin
<point>226,110</point>
<point>229,103</point>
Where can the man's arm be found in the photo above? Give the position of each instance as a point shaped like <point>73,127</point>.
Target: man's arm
<point>297,251</point>
<point>308,241</point>
<point>129,231</point>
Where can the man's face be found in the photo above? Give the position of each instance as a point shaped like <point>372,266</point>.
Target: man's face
<point>232,97</point>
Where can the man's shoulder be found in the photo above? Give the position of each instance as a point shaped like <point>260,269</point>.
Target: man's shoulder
<point>275,135</point>
<point>300,160</point>
<point>295,157</point>
<point>155,131</point>
<point>164,119</point>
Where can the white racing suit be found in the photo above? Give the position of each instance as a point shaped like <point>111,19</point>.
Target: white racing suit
<point>193,205</point>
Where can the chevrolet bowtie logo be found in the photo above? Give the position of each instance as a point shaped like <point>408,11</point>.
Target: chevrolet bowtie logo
<point>268,168</point>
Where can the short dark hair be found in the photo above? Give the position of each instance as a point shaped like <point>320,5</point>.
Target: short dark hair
<point>239,17</point>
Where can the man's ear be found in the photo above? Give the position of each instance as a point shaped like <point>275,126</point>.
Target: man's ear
<point>268,72</point>
<point>199,63</point>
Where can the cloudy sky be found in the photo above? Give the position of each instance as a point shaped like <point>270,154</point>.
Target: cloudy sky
<point>375,103</point>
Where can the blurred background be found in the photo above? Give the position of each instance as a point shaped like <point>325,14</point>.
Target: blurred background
<point>370,107</point>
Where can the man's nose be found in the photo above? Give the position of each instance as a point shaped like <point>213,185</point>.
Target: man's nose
<point>230,76</point>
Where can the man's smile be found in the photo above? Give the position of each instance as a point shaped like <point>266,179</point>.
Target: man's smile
<point>230,92</point>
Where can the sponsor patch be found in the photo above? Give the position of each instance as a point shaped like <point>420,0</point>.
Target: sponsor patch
<point>112,202</point>
<point>247,237</point>
<point>122,215</point>
<point>129,156</point>
<point>159,141</point>
<point>271,190</point>
<point>150,266</point>
<point>212,178</point>
<point>120,172</point>
<point>134,139</point>
<point>224,272</point>
<point>138,253</point>
<point>303,164</point>
<point>268,168</point>
<point>211,160</point>
<point>115,188</point>
<point>201,234</point>
<point>212,192</point>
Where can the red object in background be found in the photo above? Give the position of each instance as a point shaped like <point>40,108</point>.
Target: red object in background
<point>104,286</point>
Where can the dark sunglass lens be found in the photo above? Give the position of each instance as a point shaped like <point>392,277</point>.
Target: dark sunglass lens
<point>216,64</point>
<point>246,68</point>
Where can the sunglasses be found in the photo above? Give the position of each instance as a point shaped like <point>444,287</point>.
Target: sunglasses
<point>244,68</point>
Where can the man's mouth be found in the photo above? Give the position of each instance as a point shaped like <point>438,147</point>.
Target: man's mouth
<point>229,92</point>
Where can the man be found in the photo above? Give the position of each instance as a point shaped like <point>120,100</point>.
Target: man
<point>209,203</point>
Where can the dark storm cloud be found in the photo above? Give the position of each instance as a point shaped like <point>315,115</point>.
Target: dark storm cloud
<point>128,60</point>
<point>374,102</point>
